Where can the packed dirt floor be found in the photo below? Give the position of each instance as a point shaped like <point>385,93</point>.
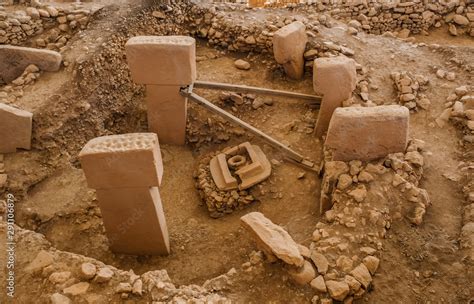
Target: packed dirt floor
<point>94,96</point>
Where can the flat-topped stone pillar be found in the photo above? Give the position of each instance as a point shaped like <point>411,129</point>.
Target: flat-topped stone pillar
<point>289,44</point>
<point>15,129</point>
<point>358,133</point>
<point>334,78</point>
<point>126,171</point>
<point>164,64</point>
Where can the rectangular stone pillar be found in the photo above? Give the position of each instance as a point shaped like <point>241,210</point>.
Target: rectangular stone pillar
<point>134,220</point>
<point>358,133</point>
<point>15,129</point>
<point>165,113</point>
<point>164,64</point>
<point>126,171</point>
<point>335,78</point>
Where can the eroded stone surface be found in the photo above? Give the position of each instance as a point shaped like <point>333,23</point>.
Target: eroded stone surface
<point>272,238</point>
<point>368,133</point>
<point>122,161</point>
<point>163,60</point>
<point>15,59</point>
<point>289,43</point>
<point>15,129</point>
<point>335,79</point>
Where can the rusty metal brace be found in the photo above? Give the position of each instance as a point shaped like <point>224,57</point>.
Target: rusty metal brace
<point>294,156</point>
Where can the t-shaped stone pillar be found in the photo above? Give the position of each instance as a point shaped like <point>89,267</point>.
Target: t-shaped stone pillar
<point>126,171</point>
<point>289,44</point>
<point>335,79</point>
<point>164,64</point>
<point>15,129</point>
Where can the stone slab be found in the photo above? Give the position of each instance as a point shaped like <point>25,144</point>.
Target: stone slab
<point>15,59</point>
<point>334,78</point>
<point>358,133</point>
<point>122,161</point>
<point>134,220</point>
<point>167,112</point>
<point>289,44</point>
<point>163,60</point>
<point>272,238</point>
<point>15,129</point>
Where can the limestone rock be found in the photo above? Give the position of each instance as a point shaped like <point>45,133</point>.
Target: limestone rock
<point>15,59</point>
<point>42,260</point>
<point>88,270</point>
<point>15,128</point>
<point>320,261</point>
<point>289,44</point>
<point>304,274</point>
<point>58,298</point>
<point>319,284</point>
<point>105,274</point>
<point>272,238</point>
<point>242,64</point>
<point>77,289</point>
<point>372,263</point>
<point>337,290</point>
<point>361,274</point>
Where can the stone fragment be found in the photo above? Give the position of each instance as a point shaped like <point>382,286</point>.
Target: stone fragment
<point>42,259</point>
<point>104,275</point>
<point>368,133</point>
<point>359,194</point>
<point>162,60</point>
<point>15,59</point>
<point>15,129</point>
<point>345,180</point>
<point>272,238</point>
<point>242,64</point>
<point>335,79</point>
<point>122,161</point>
<point>361,274</point>
<point>77,289</point>
<point>58,298</point>
<point>319,284</point>
<point>123,288</point>
<point>460,20</point>
<point>304,274</point>
<point>372,263</point>
<point>354,285</point>
<point>289,44</point>
<point>59,277</point>
<point>337,290</point>
<point>88,270</point>
<point>320,261</point>
<point>137,287</point>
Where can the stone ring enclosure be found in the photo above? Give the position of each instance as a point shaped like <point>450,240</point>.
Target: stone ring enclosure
<point>221,152</point>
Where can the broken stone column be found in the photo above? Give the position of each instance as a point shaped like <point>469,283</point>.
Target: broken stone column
<point>126,171</point>
<point>335,79</point>
<point>289,44</point>
<point>272,239</point>
<point>15,59</point>
<point>15,129</point>
<point>164,64</point>
<point>357,133</point>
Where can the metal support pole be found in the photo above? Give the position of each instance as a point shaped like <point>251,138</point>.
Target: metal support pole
<point>187,92</point>
<point>246,89</point>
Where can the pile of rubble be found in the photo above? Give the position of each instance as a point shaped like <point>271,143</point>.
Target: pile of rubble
<point>17,26</point>
<point>14,90</point>
<point>409,87</point>
<point>460,111</point>
<point>364,199</point>
<point>69,278</point>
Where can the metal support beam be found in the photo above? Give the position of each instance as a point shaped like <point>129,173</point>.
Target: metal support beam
<point>246,89</point>
<point>187,92</point>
